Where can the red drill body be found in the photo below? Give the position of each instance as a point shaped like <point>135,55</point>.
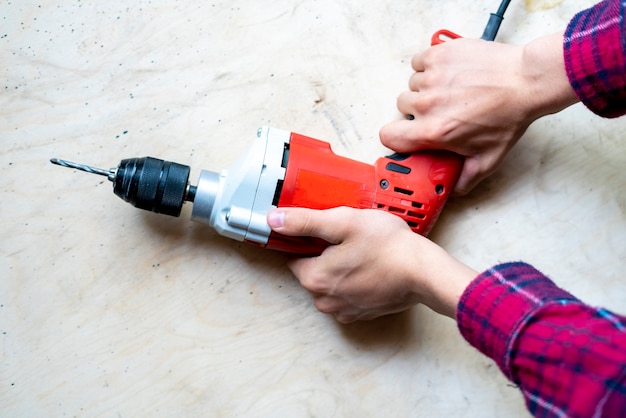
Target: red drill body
<point>412,186</point>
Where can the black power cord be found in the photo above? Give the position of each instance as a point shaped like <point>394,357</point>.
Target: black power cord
<point>495,19</point>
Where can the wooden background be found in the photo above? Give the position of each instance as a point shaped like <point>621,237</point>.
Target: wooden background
<point>106,310</point>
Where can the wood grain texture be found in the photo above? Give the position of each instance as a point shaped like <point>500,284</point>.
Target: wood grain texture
<point>110,311</point>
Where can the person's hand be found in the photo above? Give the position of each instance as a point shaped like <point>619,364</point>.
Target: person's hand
<point>375,266</point>
<point>477,98</point>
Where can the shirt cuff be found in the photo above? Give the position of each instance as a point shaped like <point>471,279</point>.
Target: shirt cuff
<point>593,50</point>
<point>495,307</point>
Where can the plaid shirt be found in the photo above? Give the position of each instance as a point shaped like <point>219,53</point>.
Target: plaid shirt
<point>594,48</point>
<point>568,359</point>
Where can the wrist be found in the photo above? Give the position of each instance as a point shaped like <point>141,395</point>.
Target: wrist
<point>545,83</point>
<point>439,279</point>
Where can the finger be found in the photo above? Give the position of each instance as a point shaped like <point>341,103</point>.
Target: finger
<point>328,304</point>
<point>405,102</point>
<point>471,175</point>
<point>330,224</point>
<point>311,277</point>
<point>310,274</point>
<point>419,104</point>
<point>417,62</point>
<point>411,135</point>
<point>415,81</point>
<point>465,185</point>
<point>414,103</point>
<point>397,135</point>
<point>343,313</point>
<point>346,318</point>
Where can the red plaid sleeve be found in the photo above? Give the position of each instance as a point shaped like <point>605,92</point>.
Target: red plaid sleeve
<point>568,359</point>
<point>594,47</point>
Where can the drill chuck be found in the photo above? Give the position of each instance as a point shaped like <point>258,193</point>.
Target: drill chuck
<point>153,184</point>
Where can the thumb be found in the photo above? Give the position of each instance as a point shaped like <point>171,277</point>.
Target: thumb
<point>470,176</point>
<point>325,224</point>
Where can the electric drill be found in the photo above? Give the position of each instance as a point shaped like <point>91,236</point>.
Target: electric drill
<point>286,169</point>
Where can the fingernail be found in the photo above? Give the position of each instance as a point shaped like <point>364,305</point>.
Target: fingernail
<point>276,218</point>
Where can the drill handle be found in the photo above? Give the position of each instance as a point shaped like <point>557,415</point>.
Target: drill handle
<point>443,35</point>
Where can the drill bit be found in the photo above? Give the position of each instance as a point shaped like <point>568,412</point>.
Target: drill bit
<point>110,174</point>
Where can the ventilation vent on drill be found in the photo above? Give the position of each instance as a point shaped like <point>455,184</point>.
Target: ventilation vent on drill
<point>410,214</point>
<point>403,191</point>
